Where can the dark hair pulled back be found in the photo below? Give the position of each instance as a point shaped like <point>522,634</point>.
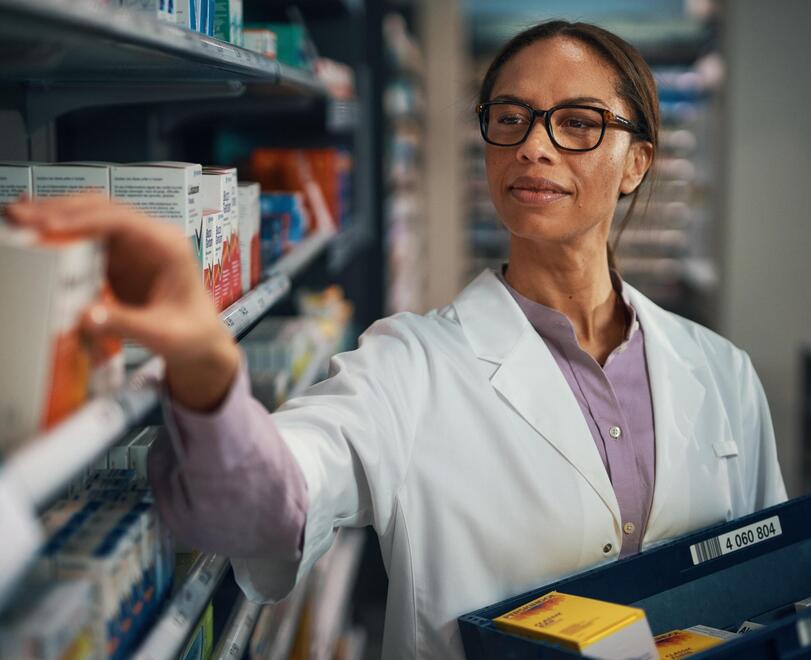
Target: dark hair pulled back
<point>636,85</point>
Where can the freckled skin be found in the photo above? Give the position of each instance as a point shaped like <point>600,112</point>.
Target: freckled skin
<point>546,73</point>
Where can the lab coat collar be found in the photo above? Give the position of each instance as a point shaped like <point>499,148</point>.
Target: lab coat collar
<point>528,377</point>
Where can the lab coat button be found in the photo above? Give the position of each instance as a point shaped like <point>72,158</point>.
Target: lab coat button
<point>607,548</point>
<point>615,432</point>
<point>629,528</point>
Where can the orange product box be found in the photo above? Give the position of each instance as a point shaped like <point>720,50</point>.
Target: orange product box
<point>331,170</point>
<point>45,365</point>
<point>593,628</point>
<point>60,179</point>
<point>250,217</point>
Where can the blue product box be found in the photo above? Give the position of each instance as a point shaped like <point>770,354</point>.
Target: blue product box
<point>750,569</point>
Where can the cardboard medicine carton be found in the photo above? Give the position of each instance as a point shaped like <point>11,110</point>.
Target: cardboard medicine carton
<point>593,628</point>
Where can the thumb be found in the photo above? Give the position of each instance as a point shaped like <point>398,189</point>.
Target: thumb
<point>129,322</point>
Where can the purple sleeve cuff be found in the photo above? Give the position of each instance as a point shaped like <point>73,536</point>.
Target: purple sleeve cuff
<point>226,481</point>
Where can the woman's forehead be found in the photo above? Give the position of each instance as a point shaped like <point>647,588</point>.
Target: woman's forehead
<point>553,70</point>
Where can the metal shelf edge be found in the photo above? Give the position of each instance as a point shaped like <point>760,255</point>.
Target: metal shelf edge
<point>170,633</point>
<point>238,630</point>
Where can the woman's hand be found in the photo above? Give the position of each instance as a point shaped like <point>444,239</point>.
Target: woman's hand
<point>160,303</point>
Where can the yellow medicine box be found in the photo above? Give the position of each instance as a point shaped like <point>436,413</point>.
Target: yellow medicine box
<point>678,644</point>
<point>593,628</point>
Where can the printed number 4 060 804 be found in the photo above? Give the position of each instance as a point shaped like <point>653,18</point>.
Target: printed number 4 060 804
<point>749,536</point>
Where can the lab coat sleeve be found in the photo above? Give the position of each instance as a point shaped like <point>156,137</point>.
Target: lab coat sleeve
<point>763,473</point>
<point>352,436</point>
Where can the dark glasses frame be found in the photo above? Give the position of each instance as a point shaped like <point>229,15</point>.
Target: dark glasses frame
<point>609,119</point>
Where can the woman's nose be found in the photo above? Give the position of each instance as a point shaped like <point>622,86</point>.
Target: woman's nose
<point>538,145</point>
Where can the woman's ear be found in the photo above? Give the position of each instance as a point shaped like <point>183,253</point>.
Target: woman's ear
<point>637,162</point>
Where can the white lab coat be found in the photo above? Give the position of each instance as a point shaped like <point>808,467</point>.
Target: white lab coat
<point>457,437</point>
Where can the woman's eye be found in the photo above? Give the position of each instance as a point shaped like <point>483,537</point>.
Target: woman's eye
<point>578,123</point>
<point>511,119</point>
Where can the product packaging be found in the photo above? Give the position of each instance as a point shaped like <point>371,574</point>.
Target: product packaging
<point>157,9</point>
<point>116,542</point>
<point>16,180</point>
<point>250,217</point>
<point>44,362</point>
<point>749,626</point>
<point>217,272</point>
<point>678,644</point>
<point>48,622</point>
<point>228,21</point>
<point>593,628</point>
<point>294,170</point>
<point>220,191</point>
<point>285,222</point>
<point>209,222</point>
<point>187,13</point>
<point>60,179</point>
<point>201,642</point>
<point>260,41</point>
<point>166,190</point>
<point>293,46</point>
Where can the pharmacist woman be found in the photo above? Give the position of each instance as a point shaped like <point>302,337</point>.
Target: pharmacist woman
<point>549,419</point>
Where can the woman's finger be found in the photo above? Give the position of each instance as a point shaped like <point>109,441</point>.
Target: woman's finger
<point>130,322</point>
<point>89,215</point>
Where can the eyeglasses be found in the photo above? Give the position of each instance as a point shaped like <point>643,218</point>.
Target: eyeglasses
<point>570,127</point>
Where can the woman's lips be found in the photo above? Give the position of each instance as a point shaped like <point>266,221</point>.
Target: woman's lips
<point>532,196</point>
<point>537,190</point>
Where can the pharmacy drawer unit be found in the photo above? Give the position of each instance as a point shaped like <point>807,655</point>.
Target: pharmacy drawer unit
<point>753,568</point>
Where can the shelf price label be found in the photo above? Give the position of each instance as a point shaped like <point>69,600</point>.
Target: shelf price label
<point>737,539</point>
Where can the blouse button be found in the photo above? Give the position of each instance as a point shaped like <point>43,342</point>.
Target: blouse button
<point>615,432</point>
<point>629,528</point>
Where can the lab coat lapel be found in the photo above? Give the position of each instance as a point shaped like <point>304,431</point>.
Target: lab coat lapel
<point>678,394</point>
<point>529,379</point>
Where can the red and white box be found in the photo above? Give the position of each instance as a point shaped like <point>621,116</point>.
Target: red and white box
<point>45,365</point>
<point>250,217</point>
<point>220,187</point>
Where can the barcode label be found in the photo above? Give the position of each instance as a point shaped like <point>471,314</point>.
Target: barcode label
<point>737,539</point>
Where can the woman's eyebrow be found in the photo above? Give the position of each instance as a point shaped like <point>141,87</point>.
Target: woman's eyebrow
<point>572,100</point>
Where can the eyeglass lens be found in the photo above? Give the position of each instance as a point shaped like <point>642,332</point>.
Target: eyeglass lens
<point>572,128</point>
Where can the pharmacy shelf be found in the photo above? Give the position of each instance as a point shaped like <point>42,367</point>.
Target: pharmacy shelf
<point>170,634</point>
<point>43,468</point>
<point>240,317</point>
<point>82,53</point>
<point>85,40</point>
<point>238,629</point>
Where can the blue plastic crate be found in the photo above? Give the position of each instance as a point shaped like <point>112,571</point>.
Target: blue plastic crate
<point>691,580</point>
